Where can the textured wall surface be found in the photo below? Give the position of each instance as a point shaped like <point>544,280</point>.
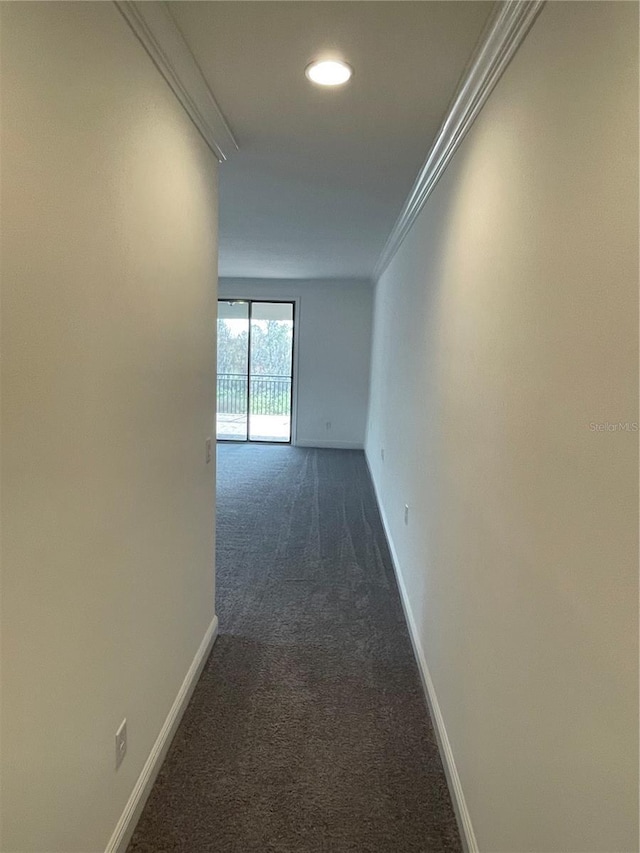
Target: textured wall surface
<point>503,329</point>
<point>108,335</point>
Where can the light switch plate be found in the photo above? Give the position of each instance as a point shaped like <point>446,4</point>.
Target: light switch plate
<point>121,743</point>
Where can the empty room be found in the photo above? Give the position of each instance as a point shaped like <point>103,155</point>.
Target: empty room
<point>319,426</point>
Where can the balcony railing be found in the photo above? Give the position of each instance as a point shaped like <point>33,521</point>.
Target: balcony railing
<point>269,395</point>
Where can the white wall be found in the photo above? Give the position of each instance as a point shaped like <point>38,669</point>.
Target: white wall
<point>333,337</point>
<point>504,327</point>
<point>108,333</point>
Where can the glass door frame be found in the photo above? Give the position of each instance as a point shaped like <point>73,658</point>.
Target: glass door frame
<point>249,302</point>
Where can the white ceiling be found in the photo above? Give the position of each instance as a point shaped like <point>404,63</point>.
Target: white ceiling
<point>321,175</point>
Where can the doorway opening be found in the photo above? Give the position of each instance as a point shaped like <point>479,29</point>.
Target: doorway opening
<point>255,370</point>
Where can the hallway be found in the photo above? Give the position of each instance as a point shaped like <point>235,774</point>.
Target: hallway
<point>308,730</point>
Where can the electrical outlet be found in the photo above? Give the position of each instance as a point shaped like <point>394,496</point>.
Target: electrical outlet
<point>121,743</point>
<point>382,453</point>
<point>406,513</point>
<point>208,450</point>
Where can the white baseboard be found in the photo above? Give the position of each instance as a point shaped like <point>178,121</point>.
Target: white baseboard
<point>133,809</point>
<point>335,445</point>
<point>463,817</point>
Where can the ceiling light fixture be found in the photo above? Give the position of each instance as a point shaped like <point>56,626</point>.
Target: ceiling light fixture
<point>328,72</point>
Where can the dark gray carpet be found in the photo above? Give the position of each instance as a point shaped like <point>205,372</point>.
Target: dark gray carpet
<point>307,732</point>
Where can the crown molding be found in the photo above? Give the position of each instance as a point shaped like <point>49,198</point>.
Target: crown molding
<point>158,33</point>
<point>505,31</point>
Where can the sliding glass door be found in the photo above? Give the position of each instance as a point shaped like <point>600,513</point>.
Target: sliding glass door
<point>255,370</point>
<point>233,371</point>
<point>270,370</point>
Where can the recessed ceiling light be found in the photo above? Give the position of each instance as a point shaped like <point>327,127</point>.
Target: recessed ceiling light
<point>329,72</point>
